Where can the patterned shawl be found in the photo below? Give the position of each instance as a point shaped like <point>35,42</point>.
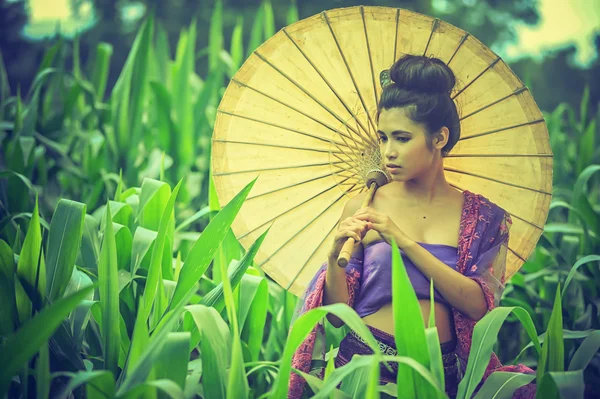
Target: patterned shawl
<point>482,248</point>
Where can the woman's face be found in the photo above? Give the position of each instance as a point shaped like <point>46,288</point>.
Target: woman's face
<point>403,142</point>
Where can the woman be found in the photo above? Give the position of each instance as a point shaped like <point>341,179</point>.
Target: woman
<point>457,239</point>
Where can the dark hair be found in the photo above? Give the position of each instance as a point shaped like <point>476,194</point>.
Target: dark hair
<point>423,84</point>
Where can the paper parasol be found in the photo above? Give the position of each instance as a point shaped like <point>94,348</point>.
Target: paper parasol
<point>301,109</point>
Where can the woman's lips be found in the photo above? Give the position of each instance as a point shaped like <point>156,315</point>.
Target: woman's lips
<point>393,168</point>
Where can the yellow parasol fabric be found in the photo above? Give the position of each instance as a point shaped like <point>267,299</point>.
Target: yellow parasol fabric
<point>301,110</point>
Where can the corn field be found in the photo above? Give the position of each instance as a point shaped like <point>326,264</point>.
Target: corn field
<point>121,277</point>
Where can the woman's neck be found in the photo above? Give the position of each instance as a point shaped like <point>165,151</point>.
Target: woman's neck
<point>426,188</point>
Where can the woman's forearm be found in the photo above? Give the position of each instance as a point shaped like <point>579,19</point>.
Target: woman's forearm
<point>336,289</point>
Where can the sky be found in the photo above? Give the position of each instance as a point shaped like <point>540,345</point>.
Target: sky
<point>562,23</point>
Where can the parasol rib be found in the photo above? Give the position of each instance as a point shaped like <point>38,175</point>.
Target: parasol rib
<point>462,41</point>
<point>279,126</point>
<point>514,93</point>
<point>288,211</point>
<point>396,37</point>
<point>287,105</point>
<point>291,186</point>
<point>499,155</point>
<point>302,229</point>
<point>477,77</point>
<point>502,129</point>
<point>269,169</point>
<point>496,180</point>
<point>310,95</point>
<point>306,134</point>
<point>434,26</point>
<point>362,100</point>
<point>362,15</point>
<point>516,254</point>
<point>310,257</point>
<point>327,82</point>
<point>276,145</point>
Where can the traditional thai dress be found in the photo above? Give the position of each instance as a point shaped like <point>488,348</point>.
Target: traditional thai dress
<point>480,255</point>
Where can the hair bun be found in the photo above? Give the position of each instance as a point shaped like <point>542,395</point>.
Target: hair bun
<point>422,74</point>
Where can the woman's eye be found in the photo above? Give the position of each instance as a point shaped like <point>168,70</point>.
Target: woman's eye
<point>403,139</point>
<point>382,139</point>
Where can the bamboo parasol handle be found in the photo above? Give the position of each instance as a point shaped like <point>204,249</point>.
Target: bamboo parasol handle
<point>347,249</point>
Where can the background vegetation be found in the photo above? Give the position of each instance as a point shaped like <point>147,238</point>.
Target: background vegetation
<point>108,286</point>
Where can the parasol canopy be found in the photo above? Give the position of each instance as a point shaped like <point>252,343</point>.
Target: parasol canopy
<point>301,111</point>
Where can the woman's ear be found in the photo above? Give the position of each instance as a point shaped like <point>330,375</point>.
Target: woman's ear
<point>441,138</point>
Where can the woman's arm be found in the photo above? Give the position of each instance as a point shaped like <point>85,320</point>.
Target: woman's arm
<point>336,285</point>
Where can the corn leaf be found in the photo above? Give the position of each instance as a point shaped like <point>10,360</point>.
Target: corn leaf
<point>64,241</point>
<point>109,297</point>
<point>31,278</point>
<point>25,342</point>
<point>502,385</point>
<point>485,335</point>
<point>561,385</point>
<point>586,352</point>
<point>409,328</point>
<point>155,271</point>
<point>205,247</point>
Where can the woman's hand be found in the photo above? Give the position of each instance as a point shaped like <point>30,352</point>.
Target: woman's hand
<point>349,227</point>
<point>382,223</point>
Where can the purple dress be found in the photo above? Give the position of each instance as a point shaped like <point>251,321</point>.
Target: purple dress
<point>481,256</point>
<point>376,283</point>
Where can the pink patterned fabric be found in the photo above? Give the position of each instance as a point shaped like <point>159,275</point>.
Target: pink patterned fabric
<point>482,248</point>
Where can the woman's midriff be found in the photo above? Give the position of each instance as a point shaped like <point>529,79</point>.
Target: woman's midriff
<point>383,319</point>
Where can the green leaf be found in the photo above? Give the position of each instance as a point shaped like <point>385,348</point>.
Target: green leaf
<point>556,349</point>
<point>183,105</point>
<point>108,280</point>
<point>215,347</point>
<point>101,68</point>
<point>205,247</point>
<point>409,328</point>
<point>42,373</point>
<point>172,361</point>
<point>302,327</point>
<point>586,352</point>
<point>316,384</point>
<point>254,300</point>
<point>580,199</point>
<point>32,278</point>
<point>4,84</point>
<point>215,36</point>
<point>237,45</point>
<point>579,263</point>
<point>269,21</point>
<point>142,242</point>
<point>155,270</point>
<point>168,387</point>
<point>24,343</point>
<point>257,32</point>
<point>502,385</point>
<point>128,95</point>
<point>485,335</point>
<point>153,200</point>
<point>64,241</point>
<point>143,366</point>
<point>561,385</point>
<point>292,14</point>
<point>100,384</point>
<point>9,318</point>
